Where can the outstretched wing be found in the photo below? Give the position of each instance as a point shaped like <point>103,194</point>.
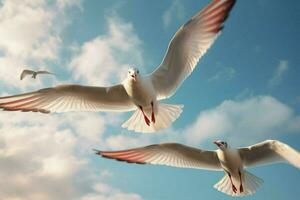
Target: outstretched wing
<point>44,72</point>
<point>25,73</point>
<point>268,152</point>
<point>65,98</point>
<point>171,154</point>
<point>188,45</point>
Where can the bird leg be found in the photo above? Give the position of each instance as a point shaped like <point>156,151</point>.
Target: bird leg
<point>152,114</point>
<point>233,187</point>
<point>145,117</point>
<point>241,186</point>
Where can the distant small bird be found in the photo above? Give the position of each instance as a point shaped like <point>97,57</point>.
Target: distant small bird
<point>236,182</point>
<point>27,72</point>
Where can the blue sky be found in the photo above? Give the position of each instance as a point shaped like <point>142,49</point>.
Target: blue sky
<point>244,90</point>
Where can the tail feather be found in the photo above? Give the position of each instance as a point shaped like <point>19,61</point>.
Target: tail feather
<point>165,115</point>
<point>251,183</point>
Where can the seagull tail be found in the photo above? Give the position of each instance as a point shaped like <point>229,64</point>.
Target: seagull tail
<point>251,183</point>
<point>165,115</point>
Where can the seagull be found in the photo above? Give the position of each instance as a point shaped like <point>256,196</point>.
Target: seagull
<point>27,72</point>
<point>236,182</point>
<point>138,93</point>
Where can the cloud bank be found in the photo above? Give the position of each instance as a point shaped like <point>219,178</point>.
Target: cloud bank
<point>248,120</point>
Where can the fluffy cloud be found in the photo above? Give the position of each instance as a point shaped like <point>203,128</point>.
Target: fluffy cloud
<point>103,192</point>
<point>252,119</point>
<point>23,38</point>
<point>175,11</point>
<point>37,157</point>
<point>106,58</point>
<point>279,72</point>
<point>123,141</point>
<point>30,35</point>
<point>43,156</point>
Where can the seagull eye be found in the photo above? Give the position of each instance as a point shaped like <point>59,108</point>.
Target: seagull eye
<point>137,71</point>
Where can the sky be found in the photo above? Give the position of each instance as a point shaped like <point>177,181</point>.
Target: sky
<point>244,90</point>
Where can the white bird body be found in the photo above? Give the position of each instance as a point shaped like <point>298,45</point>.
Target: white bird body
<point>236,182</point>
<point>230,161</point>
<point>137,93</point>
<point>141,91</point>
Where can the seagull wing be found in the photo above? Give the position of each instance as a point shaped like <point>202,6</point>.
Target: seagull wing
<point>25,73</point>
<point>65,98</point>
<point>44,72</point>
<point>170,154</point>
<point>268,152</point>
<point>188,45</point>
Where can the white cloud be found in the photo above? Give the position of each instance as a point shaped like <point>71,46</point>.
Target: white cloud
<point>123,142</point>
<point>251,119</point>
<point>91,124</point>
<point>106,58</point>
<point>103,191</point>
<point>21,37</point>
<point>30,36</point>
<point>69,3</point>
<point>42,156</point>
<point>37,158</point>
<point>174,12</point>
<point>279,72</point>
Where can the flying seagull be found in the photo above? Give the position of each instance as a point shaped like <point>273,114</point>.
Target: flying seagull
<point>236,182</point>
<point>138,93</point>
<point>27,72</point>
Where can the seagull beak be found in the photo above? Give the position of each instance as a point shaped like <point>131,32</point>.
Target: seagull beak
<point>217,143</point>
<point>133,77</point>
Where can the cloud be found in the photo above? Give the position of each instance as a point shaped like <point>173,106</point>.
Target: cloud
<point>30,36</point>
<point>106,58</point>
<point>37,158</point>
<point>123,142</point>
<point>25,38</point>
<point>103,191</point>
<point>226,73</point>
<point>174,12</point>
<point>69,3</point>
<point>279,72</point>
<point>43,156</point>
<point>258,117</point>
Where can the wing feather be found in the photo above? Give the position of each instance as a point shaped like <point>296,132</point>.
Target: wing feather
<point>65,98</point>
<point>188,45</point>
<point>26,72</point>
<point>44,72</point>
<point>268,152</point>
<point>170,154</point>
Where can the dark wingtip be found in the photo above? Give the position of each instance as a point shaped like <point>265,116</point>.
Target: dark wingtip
<point>98,152</point>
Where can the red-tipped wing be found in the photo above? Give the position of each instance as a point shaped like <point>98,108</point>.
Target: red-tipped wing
<point>188,45</point>
<point>65,98</point>
<point>170,154</point>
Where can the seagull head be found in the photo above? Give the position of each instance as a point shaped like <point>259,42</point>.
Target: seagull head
<point>133,74</point>
<point>221,145</point>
